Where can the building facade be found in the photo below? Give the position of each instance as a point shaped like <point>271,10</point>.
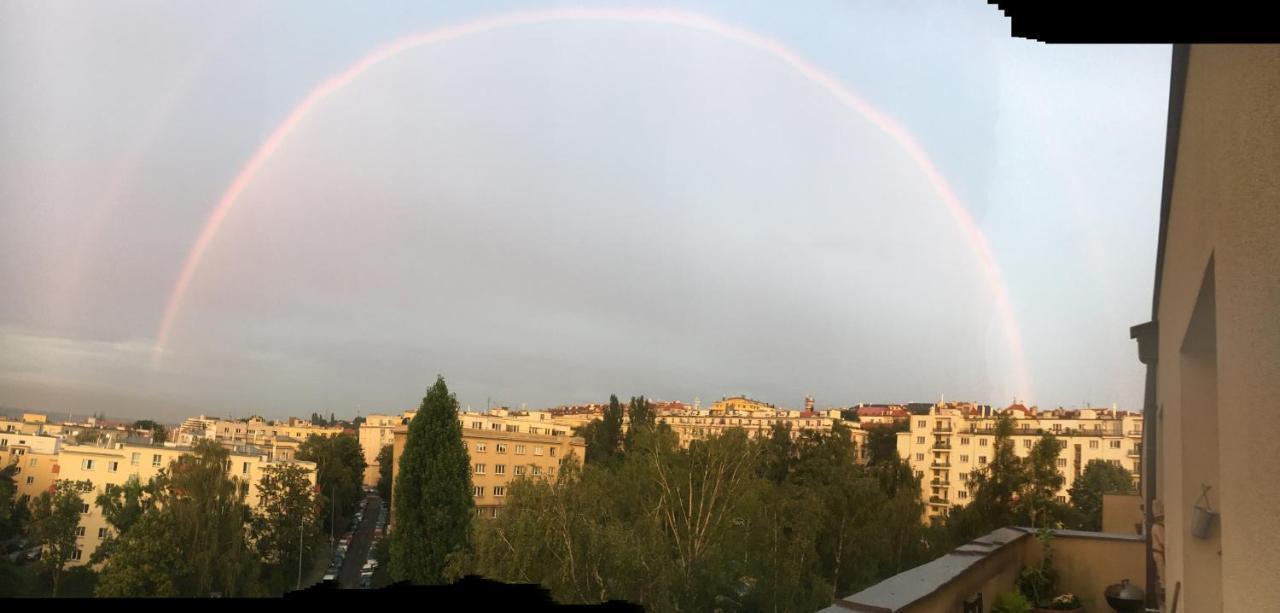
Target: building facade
<point>503,448</point>
<point>946,446</point>
<point>116,463</point>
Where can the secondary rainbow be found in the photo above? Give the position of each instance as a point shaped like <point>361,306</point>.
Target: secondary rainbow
<point>972,233</point>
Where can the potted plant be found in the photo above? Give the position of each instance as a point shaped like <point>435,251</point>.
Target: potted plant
<point>1038,582</point>
<point>1062,602</point>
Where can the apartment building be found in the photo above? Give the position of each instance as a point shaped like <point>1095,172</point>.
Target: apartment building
<point>376,433</point>
<point>499,455</point>
<point>281,438</point>
<point>944,447</point>
<point>35,460</point>
<point>115,463</point>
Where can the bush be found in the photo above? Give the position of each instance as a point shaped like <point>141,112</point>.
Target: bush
<point>1011,602</point>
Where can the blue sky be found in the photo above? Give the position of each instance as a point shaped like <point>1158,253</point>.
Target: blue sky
<point>552,213</point>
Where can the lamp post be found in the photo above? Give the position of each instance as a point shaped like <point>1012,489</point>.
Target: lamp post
<point>301,527</point>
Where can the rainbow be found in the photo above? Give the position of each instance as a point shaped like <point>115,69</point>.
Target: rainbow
<point>825,80</point>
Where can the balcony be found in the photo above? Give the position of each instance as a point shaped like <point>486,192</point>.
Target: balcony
<point>939,501</point>
<point>942,445</point>
<point>1087,562</point>
<point>940,483</point>
<point>940,464</point>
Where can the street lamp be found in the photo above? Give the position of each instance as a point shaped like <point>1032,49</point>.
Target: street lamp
<point>301,527</point>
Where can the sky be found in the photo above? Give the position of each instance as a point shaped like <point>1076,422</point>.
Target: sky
<point>559,209</point>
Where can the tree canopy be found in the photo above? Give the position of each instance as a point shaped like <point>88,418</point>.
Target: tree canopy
<point>1099,478</point>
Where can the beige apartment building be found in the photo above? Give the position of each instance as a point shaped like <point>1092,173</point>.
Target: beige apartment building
<point>116,463</point>
<point>35,458</point>
<point>944,447</point>
<point>254,431</point>
<point>375,433</point>
<point>515,448</point>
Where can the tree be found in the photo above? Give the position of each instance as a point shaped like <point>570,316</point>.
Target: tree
<point>210,517</point>
<point>642,419</point>
<point>1036,502</point>
<point>147,560</point>
<point>1099,477</point>
<point>339,473</point>
<point>87,436</point>
<point>9,514</point>
<point>882,442</point>
<point>286,522</point>
<point>385,467</point>
<point>433,497</point>
<point>122,507</point>
<point>55,516</point>
<point>997,487</point>
<point>604,437</point>
<point>159,433</point>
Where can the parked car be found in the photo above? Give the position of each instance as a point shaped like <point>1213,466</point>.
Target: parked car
<point>330,577</point>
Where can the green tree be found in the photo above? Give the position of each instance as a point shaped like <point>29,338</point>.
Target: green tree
<point>54,518</point>
<point>1037,505</point>
<point>9,514</point>
<point>997,487</point>
<point>210,518</point>
<point>159,433</point>
<point>122,506</point>
<point>286,522</point>
<point>604,437</point>
<point>385,466</point>
<point>147,560</point>
<point>882,442</point>
<point>433,497</point>
<point>339,474</point>
<point>641,419</point>
<point>1099,477</point>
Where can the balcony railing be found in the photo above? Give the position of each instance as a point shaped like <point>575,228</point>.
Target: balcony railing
<point>937,464</point>
<point>940,483</point>
<point>941,445</point>
<point>935,500</point>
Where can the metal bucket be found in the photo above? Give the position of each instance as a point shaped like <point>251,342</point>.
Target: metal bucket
<point>1202,521</point>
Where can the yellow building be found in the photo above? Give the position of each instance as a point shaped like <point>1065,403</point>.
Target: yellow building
<point>35,458</point>
<point>503,447</point>
<point>374,434</point>
<point>1212,347</point>
<point>116,463</point>
<point>739,403</point>
<point>946,446</point>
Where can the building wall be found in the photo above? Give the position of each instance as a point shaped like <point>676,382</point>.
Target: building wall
<point>946,446</point>
<point>374,433</point>
<point>1217,376</point>
<point>1122,514</point>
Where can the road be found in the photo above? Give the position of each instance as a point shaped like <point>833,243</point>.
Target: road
<point>358,550</point>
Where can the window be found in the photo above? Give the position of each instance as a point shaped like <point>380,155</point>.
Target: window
<point>31,480</point>
<point>86,464</point>
<point>79,530</point>
<point>919,474</point>
<point>482,447</point>
<point>512,428</point>
<point>519,449</point>
<point>1115,444</point>
<point>964,459</point>
<point>919,457</point>
<point>499,469</point>
<point>919,440</point>
<point>499,491</point>
<point>479,469</point>
<point>1093,444</point>
<point>1114,462</point>
<point>1060,499</point>
<point>963,494</point>
<point>493,513</point>
<point>477,491</point>
<point>537,451</point>
<point>982,460</point>
<point>551,451</point>
<point>551,471</point>
<point>244,468</point>
<point>102,533</point>
<point>519,470</point>
<point>1026,427</point>
<point>1026,443</point>
<point>478,426</point>
<point>496,426</point>
<point>32,463</point>
<point>537,470</point>
<point>135,458</point>
<point>464,445</point>
<point>922,424</point>
<point>982,442</point>
<point>500,448</point>
<point>1062,462</point>
<point>155,460</point>
<point>964,476</point>
<point>964,440</point>
<point>75,555</point>
<point>535,430</point>
<point>113,466</point>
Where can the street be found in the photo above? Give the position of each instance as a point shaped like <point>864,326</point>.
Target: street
<point>358,550</point>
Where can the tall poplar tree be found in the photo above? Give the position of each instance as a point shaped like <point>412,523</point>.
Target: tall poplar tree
<point>432,498</point>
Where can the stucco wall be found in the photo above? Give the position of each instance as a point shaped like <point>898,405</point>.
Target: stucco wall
<point>1225,208</point>
<point>1122,514</point>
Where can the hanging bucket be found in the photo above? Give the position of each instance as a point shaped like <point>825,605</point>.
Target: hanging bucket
<point>1202,516</point>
